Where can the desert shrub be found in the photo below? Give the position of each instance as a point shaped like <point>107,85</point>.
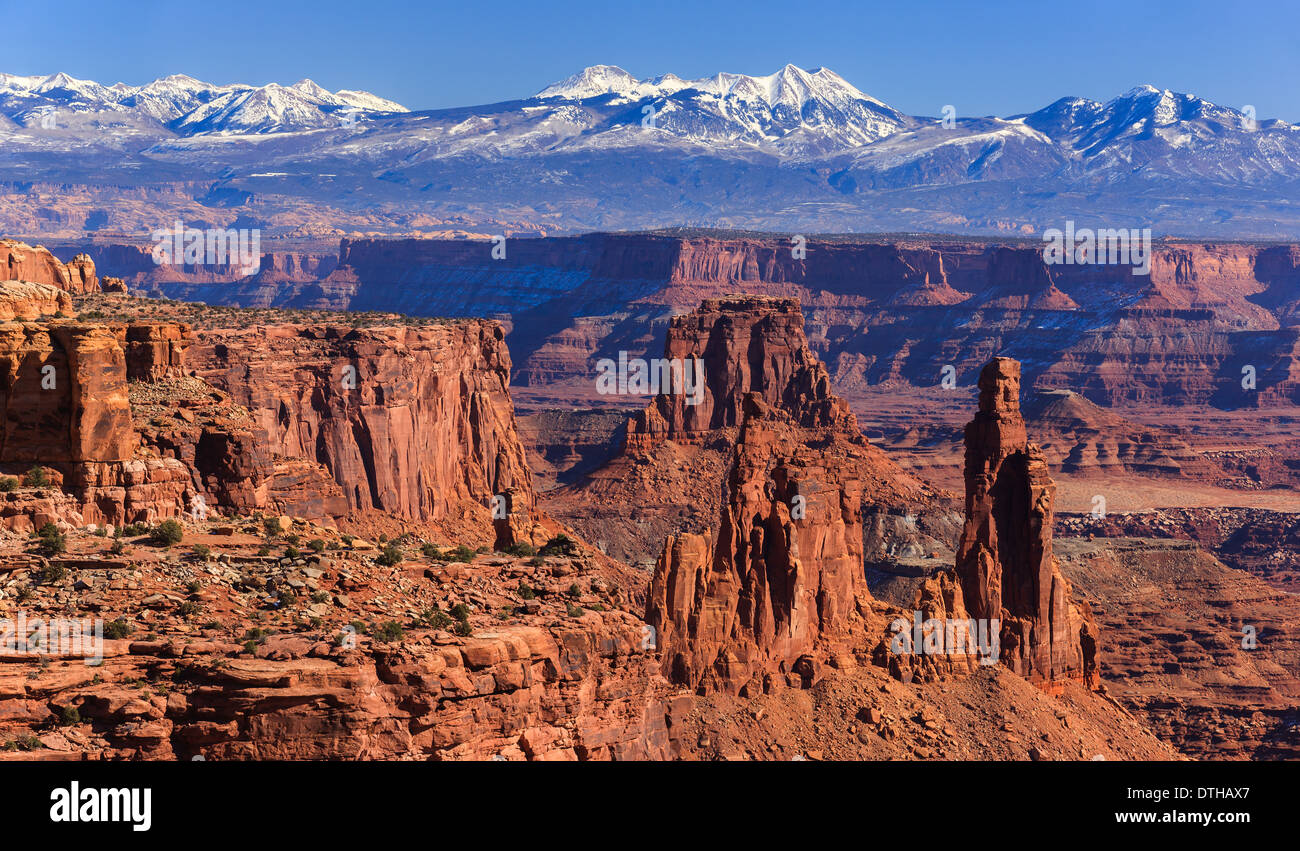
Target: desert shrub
<point>37,478</point>
<point>202,552</point>
<point>117,629</point>
<point>390,556</point>
<point>389,631</point>
<point>431,551</point>
<point>316,545</point>
<point>437,618</point>
<point>526,591</point>
<point>462,553</point>
<point>520,549</point>
<point>70,715</point>
<point>7,484</point>
<point>167,533</point>
<point>560,545</point>
<point>52,540</point>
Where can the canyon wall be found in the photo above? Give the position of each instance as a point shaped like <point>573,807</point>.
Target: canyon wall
<point>877,311</point>
<point>413,421</point>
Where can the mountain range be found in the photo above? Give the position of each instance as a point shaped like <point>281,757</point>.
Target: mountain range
<point>797,150</point>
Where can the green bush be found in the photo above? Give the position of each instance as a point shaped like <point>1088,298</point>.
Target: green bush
<point>437,618</point>
<point>37,478</point>
<point>389,631</point>
<point>520,549</point>
<point>202,552</point>
<point>390,556</point>
<point>117,629</point>
<point>167,533</point>
<point>526,591</point>
<point>316,545</point>
<point>52,540</point>
<point>431,551</point>
<point>462,553</point>
<point>7,484</point>
<point>70,716</point>
<point>271,527</point>
<point>463,629</point>
<point>560,545</point>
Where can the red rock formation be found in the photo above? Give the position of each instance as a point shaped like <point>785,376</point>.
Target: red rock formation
<point>783,585</point>
<point>780,588</point>
<point>746,344</point>
<point>22,262</point>
<point>416,422</point>
<point>63,394</point>
<point>155,350</point>
<point>1004,559</point>
<point>21,300</point>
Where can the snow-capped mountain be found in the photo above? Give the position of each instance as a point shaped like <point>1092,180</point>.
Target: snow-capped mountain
<point>797,148</point>
<point>188,105</point>
<point>792,111</point>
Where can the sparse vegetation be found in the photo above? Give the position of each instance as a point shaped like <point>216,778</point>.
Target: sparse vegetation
<point>117,629</point>
<point>7,484</point>
<point>38,478</point>
<point>389,631</point>
<point>52,541</point>
<point>390,556</point>
<point>560,545</point>
<point>167,533</point>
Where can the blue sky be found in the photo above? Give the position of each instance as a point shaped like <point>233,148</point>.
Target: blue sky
<point>982,57</point>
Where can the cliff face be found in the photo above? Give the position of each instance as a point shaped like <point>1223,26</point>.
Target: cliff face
<point>753,345</point>
<point>782,587</point>
<point>416,422</point>
<point>22,262</point>
<point>64,396</point>
<point>1004,560</point>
